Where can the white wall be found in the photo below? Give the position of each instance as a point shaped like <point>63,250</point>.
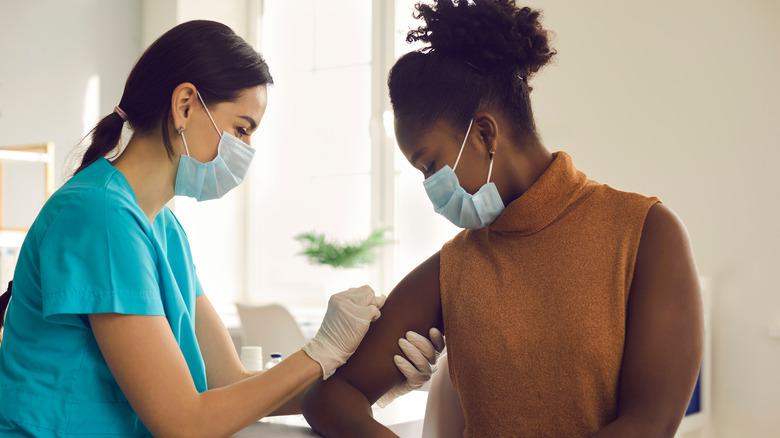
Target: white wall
<point>63,65</point>
<point>681,100</point>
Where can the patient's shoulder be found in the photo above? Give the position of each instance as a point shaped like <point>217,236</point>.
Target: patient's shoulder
<point>418,292</point>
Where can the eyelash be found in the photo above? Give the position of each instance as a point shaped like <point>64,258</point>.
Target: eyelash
<point>241,131</point>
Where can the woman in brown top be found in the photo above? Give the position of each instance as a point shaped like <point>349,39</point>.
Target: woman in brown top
<point>571,308</point>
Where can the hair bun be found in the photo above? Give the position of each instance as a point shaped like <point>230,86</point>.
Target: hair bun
<point>489,34</point>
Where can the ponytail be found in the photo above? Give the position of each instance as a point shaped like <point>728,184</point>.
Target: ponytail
<point>4,299</point>
<point>105,138</point>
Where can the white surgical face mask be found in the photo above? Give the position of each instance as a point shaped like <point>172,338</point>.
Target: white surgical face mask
<point>460,207</point>
<point>204,181</point>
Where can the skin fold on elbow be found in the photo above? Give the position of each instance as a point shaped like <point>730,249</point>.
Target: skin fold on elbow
<point>335,408</point>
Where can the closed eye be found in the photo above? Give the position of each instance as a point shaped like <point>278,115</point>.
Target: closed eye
<point>429,169</point>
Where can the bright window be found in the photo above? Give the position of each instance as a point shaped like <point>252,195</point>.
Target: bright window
<point>313,167</point>
<point>313,162</point>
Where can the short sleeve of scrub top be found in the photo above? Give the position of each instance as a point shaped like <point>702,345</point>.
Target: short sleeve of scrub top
<point>96,258</point>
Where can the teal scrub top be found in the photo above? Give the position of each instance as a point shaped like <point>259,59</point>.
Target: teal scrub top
<point>90,250</point>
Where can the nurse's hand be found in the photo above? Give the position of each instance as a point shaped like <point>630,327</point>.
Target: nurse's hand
<point>346,322</point>
<point>419,364</point>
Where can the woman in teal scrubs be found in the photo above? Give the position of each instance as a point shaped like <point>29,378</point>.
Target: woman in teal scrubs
<point>109,332</point>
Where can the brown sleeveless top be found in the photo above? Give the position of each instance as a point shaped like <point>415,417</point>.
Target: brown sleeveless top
<point>535,307</point>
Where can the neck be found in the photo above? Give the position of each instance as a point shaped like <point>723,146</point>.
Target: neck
<point>520,170</point>
<point>151,173</point>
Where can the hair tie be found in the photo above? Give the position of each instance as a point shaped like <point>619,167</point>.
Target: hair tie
<point>121,113</point>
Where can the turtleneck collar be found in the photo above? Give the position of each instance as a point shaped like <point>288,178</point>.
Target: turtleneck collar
<point>545,200</point>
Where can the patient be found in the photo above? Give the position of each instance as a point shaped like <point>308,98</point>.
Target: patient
<point>571,309</point>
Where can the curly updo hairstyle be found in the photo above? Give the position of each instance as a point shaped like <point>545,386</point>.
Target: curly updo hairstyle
<point>480,53</point>
<point>206,53</point>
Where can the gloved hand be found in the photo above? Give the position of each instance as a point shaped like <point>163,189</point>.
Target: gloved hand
<point>346,322</point>
<point>423,353</point>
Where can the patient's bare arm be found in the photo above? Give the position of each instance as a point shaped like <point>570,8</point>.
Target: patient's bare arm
<point>341,405</point>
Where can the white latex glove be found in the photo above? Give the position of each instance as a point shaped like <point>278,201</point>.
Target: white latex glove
<point>346,322</point>
<point>423,354</point>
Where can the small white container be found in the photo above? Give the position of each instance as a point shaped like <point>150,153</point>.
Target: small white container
<point>252,357</point>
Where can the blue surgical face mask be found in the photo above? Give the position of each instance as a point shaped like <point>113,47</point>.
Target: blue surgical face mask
<point>460,207</point>
<point>204,181</point>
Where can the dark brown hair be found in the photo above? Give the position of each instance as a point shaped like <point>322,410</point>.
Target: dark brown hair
<point>206,53</point>
<point>479,53</point>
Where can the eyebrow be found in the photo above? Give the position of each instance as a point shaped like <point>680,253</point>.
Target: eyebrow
<point>252,123</point>
<point>415,156</point>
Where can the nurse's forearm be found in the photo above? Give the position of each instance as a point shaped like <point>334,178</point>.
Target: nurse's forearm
<point>334,408</point>
<point>245,402</point>
<point>149,367</point>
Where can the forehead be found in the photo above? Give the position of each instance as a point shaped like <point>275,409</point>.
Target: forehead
<point>412,137</point>
<point>250,101</point>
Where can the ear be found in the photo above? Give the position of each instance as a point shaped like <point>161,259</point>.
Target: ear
<point>486,126</point>
<point>182,100</point>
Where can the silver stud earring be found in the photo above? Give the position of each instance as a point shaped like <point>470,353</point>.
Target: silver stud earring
<point>180,130</point>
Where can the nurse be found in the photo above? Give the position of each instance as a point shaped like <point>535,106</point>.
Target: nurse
<point>109,332</point>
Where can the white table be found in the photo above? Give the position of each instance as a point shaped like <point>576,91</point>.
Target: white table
<point>404,417</point>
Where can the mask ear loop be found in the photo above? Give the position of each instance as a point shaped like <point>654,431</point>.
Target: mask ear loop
<point>209,114</point>
<point>181,132</point>
<point>463,145</point>
<point>490,169</point>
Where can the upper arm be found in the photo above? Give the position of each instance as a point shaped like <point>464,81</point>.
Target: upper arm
<point>664,327</point>
<point>223,366</point>
<point>148,365</point>
<point>413,305</point>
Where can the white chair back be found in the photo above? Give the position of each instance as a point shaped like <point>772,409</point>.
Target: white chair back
<point>271,327</point>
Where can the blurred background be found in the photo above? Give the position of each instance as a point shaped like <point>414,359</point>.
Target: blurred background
<point>674,99</point>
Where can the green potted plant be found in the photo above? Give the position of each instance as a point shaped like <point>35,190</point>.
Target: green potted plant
<point>323,251</point>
